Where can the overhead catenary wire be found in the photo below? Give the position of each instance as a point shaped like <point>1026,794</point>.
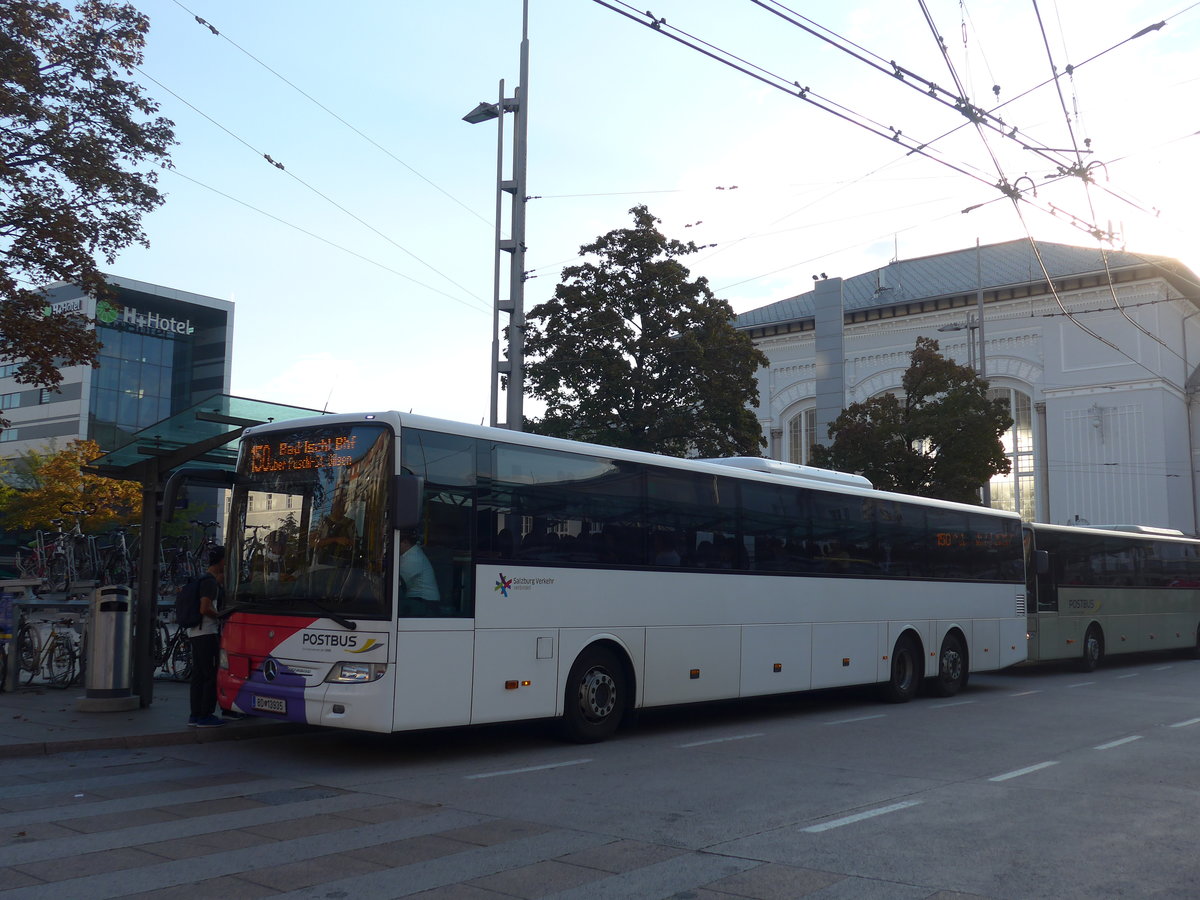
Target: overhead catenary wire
<point>370,140</point>
<point>280,166</point>
<point>323,240</point>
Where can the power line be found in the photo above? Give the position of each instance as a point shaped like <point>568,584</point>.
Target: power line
<point>298,179</point>
<point>323,240</point>
<point>211,28</point>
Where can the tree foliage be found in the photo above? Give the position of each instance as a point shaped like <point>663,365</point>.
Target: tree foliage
<point>54,481</point>
<point>631,353</point>
<point>941,439</point>
<point>79,143</point>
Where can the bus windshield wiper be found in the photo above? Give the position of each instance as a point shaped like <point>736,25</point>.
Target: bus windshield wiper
<point>348,624</point>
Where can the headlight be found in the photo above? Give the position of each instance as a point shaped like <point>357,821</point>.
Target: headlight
<point>356,672</point>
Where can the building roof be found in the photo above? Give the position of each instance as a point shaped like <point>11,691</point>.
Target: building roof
<point>947,274</point>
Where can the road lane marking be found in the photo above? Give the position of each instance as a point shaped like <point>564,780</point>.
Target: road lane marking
<point>955,703</point>
<point>1081,684</point>
<point>1111,744</point>
<point>1025,771</point>
<point>858,817</point>
<point>1186,724</point>
<point>559,765</point>
<point>1163,668</point>
<point>1025,693</point>
<point>858,719</point>
<point>1130,675</point>
<point>740,737</point>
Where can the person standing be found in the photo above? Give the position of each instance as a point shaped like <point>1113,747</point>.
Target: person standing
<point>205,641</point>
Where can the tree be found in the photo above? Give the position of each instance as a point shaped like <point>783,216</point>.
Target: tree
<point>630,353</point>
<point>54,481</point>
<point>941,439</point>
<point>78,146</point>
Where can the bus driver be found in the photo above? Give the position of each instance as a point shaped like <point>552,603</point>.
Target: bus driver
<point>416,575</point>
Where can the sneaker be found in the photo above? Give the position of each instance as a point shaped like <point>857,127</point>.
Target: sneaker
<point>233,714</point>
<point>209,722</point>
<point>192,720</point>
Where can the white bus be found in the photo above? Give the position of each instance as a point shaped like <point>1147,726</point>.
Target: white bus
<point>582,582</point>
<point>1096,592</point>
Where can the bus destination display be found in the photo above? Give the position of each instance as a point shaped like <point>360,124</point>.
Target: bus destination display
<point>302,454</point>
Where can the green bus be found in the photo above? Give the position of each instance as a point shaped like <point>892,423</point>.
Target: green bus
<point>1097,592</point>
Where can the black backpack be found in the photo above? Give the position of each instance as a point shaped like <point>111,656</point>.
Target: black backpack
<point>187,603</point>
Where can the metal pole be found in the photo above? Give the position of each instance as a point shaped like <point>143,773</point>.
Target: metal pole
<point>979,303</point>
<point>495,366</point>
<point>516,327</point>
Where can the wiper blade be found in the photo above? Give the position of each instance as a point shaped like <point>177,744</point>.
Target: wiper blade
<point>348,624</point>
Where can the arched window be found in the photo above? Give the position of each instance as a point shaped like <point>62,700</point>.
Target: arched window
<point>801,436</point>
<point>1016,491</point>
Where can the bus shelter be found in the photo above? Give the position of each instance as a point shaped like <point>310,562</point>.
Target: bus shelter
<point>200,437</point>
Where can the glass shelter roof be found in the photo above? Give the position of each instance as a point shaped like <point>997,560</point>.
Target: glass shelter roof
<point>201,436</point>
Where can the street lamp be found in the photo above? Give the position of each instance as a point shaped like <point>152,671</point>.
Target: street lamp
<point>514,366</point>
<point>970,326</point>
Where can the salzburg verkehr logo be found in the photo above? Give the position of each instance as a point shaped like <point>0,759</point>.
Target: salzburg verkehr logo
<point>503,585</point>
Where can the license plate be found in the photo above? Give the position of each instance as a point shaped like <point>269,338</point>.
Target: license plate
<point>269,704</point>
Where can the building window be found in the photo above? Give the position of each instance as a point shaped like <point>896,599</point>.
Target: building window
<point>802,436</point>
<point>8,434</point>
<point>1016,491</point>
<point>10,401</point>
<point>45,395</point>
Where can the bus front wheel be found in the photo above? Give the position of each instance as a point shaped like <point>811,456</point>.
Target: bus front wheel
<point>596,696</point>
<point>1093,648</point>
<point>952,667</point>
<point>905,679</point>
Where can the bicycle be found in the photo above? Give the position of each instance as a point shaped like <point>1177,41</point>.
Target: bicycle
<point>173,652</point>
<point>57,660</point>
<point>118,562</point>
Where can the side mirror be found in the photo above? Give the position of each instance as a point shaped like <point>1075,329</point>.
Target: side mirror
<point>407,494</point>
<point>1041,561</point>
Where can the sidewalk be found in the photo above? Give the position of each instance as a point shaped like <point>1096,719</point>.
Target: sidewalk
<point>39,720</point>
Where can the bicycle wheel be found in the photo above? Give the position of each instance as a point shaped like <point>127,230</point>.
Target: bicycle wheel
<point>61,662</point>
<point>29,652</point>
<point>181,657</point>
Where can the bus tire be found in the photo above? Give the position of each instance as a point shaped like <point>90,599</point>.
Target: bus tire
<point>1093,648</point>
<point>596,696</point>
<point>953,670</point>
<point>905,679</point>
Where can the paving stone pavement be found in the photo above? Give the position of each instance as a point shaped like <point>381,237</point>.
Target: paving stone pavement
<point>96,805</point>
<point>149,823</point>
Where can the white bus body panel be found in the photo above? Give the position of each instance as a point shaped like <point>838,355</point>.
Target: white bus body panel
<point>433,675</point>
<point>505,656</point>
<point>766,646</point>
<point>690,664</point>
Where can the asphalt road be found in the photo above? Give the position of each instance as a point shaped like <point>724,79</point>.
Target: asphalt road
<point>1036,782</point>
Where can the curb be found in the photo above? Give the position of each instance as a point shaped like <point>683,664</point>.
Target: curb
<point>230,732</point>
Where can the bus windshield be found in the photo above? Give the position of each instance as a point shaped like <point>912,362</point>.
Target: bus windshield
<point>309,525</point>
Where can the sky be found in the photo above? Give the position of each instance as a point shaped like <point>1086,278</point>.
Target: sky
<point>362,271</point>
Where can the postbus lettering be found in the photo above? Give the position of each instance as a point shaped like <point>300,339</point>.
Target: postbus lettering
<point>349,641</point>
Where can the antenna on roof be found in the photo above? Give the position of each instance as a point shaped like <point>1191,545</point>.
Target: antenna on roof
<point>895,249</point>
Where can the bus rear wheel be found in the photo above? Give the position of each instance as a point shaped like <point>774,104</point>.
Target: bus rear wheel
<point>905,679</point>
<point>1093,648</point>
<point>952,667</point>
<point>596,696</point>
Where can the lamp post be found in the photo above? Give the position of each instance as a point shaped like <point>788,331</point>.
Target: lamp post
<point>970,326</point>
<point>514,245</point>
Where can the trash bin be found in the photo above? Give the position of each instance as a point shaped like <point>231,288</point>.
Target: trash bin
<point>109,643</point>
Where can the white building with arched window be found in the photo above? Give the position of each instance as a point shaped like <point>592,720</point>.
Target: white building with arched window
<point>1098,363</point>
